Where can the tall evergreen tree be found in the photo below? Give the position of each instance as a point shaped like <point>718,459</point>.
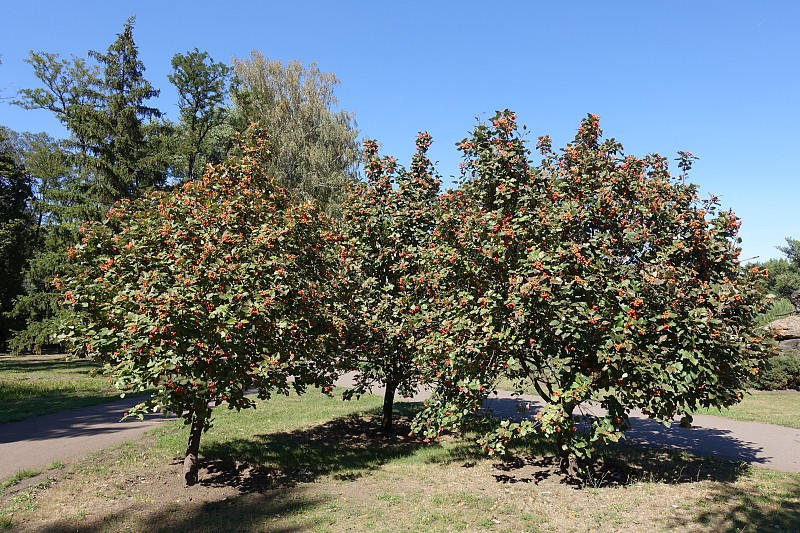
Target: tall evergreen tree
<point>118,130</point>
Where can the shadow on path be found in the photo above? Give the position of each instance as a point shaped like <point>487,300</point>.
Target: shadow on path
<point>720,443</point>
<point>92,420</point>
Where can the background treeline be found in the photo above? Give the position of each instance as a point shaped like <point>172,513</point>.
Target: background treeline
<point>122,147</point>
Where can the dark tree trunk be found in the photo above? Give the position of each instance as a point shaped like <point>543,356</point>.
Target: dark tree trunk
<point>388,405</point>
<point>569,464</point>
<point>190,170</point>
<point>192,450</point>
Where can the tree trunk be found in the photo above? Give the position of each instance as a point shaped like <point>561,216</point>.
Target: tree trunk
<point>569,464</point>
<point>192,451</point>
<point>388,405</point>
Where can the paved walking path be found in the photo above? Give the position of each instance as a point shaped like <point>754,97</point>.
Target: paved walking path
<point>69,435</point>
<point>37,442</point>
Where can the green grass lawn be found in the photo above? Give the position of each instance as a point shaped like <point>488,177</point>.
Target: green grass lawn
<point>37,385</point>
<point>319,464</point>
<point>779,407</point>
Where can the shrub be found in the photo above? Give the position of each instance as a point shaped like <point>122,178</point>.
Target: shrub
<point>780,308</point>
<point>781,372</point>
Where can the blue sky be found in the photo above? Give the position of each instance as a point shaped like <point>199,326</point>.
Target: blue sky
<point>717,78</point>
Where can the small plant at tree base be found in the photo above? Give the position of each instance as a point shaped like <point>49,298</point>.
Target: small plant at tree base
<point>592,276</point>
<point>386,226</point>
<point>206,292</point>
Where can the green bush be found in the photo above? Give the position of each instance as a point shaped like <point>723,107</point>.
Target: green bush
<point>782,372</point>
<point>780,308</point>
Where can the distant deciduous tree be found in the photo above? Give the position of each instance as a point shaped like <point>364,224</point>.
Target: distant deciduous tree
<point>202,86</point>
<point>314,145</point>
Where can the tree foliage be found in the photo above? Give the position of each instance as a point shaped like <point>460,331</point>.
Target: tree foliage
<point>55,209</point>
<point>386,224</point>
<point>594,276</point>
<point>202,86</point>
<point>68,91</point>
<point>784,273</point>
<point>206,292</point>
<point>115,151</point>
<point>16,228</point>
<point>314,145</point>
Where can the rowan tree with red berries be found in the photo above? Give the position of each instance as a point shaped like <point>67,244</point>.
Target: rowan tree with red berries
<point>207,292</point>
<point>592,277</point>
<point>386,225</point>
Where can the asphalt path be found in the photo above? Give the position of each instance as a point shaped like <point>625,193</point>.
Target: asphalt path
<point>37,442</point>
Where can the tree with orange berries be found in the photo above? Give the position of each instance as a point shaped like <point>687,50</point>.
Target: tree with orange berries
<point>592,276</point>
<point>387,224</point>
<point>207,292</point>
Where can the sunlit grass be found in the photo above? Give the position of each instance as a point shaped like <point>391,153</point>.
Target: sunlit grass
<point>780,308</point>
<point>779,407</point>
<point>37,385</point>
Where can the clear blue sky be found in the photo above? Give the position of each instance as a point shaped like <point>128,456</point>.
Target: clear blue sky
<point>717,78</point>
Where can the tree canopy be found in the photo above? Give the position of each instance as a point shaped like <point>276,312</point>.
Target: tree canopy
<point>16,227</point>
<point>205,292</point>
<point>591,277</point>
<point>314,145</point>
<point>202,86</point>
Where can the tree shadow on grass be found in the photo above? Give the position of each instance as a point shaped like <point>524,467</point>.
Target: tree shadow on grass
<point>618,465</point>
<point>276,511</point>
<point>271,474</point>
<point>345,447</point>
<point>21,364</point>
<point>732,508</point>
<point>697,440</point>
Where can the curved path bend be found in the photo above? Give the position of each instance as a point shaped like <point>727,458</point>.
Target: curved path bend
<point>37,442</point>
